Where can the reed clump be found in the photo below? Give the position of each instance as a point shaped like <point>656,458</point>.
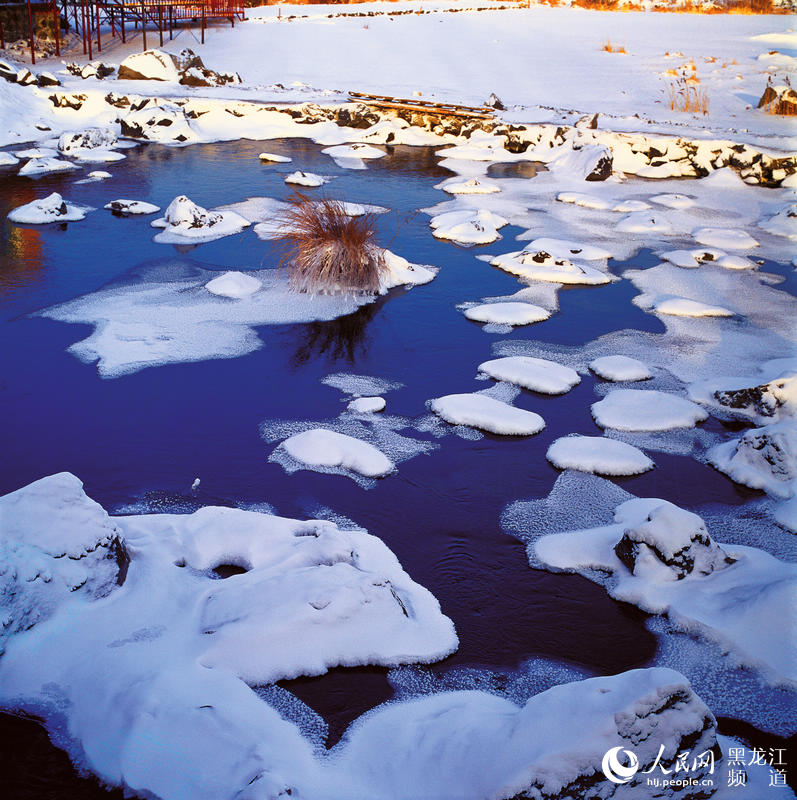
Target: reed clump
<point>326,250</point>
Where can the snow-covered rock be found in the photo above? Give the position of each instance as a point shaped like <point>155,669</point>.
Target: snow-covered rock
<point>165,123</point>
<point>563,248</point>
<point>150,65</point>
<point>75,142</point>
<point>488,414</point>
<point>332,450</point>
<point>507,313</point>
<point>542,266</point>
<point>308,179</point>
<point>646,410</point>
<point>590,163</point>
<point>620,368</point>
<point>46,165</point>
<point>125,208</point>
<point>55,544</point>
<point>358,150</point>
<point>584,200</point>
<point>235,285</point>
<point>366,405</point>
<point>598,455</point>
<point>185,221</point>
<point>97,175</point>
<point>52,208</point>
<point>468,226</point>
<point>662,559</point>
<point>400,272</point>
<point>535,374</point>
<point>468,186</point>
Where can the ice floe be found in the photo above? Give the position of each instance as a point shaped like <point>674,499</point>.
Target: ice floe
<point>661,558</point>
<point>509,313</point>
<point>468,186</point>
<point>467,226</point>
<point>486,413</point>
<point>96,175</point>
<point>8,159</point>
<point>620,368</point>
<point>274,158</point>
<point>683,307</point>
<point>307,179</point>
<point>235,285</point>
<point>324,448</point>
<point>366,405</point>
<point>131,207</point>
<point>52,208</point>
<point>584,200</point>
<point>186,222</point>
<point>534,374</point>
<point>46,165</point>
<point>646,410</point>
<point>598,455</point>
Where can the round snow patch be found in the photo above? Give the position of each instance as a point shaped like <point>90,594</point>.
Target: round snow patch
<point>367,405</point>
<point>682,307</point>
<point>494,416</point>
<point>599,455</point>
<point>620,368</point>
<point>324,448</point>
<point>535,374</point>
<point>235,285</point>
<point>507,313</point>
<point>651,410</point>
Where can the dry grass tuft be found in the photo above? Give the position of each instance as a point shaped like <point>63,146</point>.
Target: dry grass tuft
<point>613,48</point>
<point>327,251</point>
<point>686,94</point>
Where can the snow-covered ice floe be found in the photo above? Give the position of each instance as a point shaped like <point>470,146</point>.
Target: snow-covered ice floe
<point>353,156</point>
<point>620,368</point>
<point>307,179</point>
<point>468,226</point>
<point>598,455</point>
<point>8,159</point>
<point>52,208</point>
<point>534,374</point>
<point>45,166</point>
<point>536,263</point>
<point>168,314</point>
<point>366,405</point>
<point>488,414</point>
<point>235,285</point>
<point>186,222</point>
<point>459,185</point>
<point>97,175</point>
<point>507,313</point>
<point>662,559</point>
<point>131,207</point>
<point>683,307</point>
<point>274,158</point>
<point>646,410</point>
<point>725,238</point>
<point>689,259</point>
<point>331,450</point>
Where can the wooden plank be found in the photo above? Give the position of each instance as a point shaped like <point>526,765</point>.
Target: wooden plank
<point>422,104</point>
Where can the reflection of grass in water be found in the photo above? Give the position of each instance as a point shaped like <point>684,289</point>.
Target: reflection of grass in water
<point>341,339</point>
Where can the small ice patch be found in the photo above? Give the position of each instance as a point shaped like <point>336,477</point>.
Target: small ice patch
<point>360,385</point>
<point>468,226</point>
<point>535,374</point>
<point>598,455</point>
<point>52,208</point>
<point>366,405</point>
<point>469,186</point>
<point>488,414</point>
<point>725,238</point>
<point>308,179</point>
<point>683,307</point>
<point>646,410</point>
<point>620,368</point>
<point>235,285</point>
<point>130,207</point>
<point>507,313</point>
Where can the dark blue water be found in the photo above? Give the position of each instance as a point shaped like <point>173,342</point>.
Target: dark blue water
<point>146,436</point>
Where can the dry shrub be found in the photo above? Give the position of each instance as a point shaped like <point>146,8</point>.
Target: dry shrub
<point>327,251</point>
<point>686,94</point>
<point>613,48</point>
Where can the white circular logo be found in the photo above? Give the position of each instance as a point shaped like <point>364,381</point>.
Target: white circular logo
<point>614,770</point>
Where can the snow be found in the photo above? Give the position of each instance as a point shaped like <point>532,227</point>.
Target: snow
<point>8,159</point>
<point>783,222</point>
<point>328,449</point>
<point>97,175</point>
<point>542,266</point>
<point>672,200</point>
<point>598,455</point>
<point>468,186</point>
<point>235,285</point>
<point>46,165</point>
<point>184,221</point>
<point>562,248</point>
<point>308,179</point>
<point>52,208</point>
<point>488,414</point>
<point>274,158</point>
<point>662,559</point>
<point>683,307</point>
<point>725,238</point>
<point>646,410</point>
<point>366,405</point>
<point>535,374</point>
<point>620,368</point>
<point>353,152</point>
<point>509,313</point>
<point>584,200</point>
<point>468,226</point>
<point>645,222</point>
<point>132,207</point>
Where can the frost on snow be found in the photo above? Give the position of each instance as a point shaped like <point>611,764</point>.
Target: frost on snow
<point>52,208</point>
<point>599,455</point>
<point>535,374</point>
<point>646,410</point>
<point>480,411</point>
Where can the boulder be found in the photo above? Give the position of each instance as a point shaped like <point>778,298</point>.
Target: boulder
<point>779,100</point>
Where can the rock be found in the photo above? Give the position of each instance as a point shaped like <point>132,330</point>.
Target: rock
<point>89,139</point>
<point>73,101</point>
<point>8,71</point>
<point>162,123</point>
<point>48,79</point>
<point>25,77</point>
<point>587,122</point>
<point>779,100</point>
<point>54,542</point>
<point>673,539</point>
<point>151,65</point>
<point>769,400</point>
<point>200,76</point>
<point>494,101</point>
